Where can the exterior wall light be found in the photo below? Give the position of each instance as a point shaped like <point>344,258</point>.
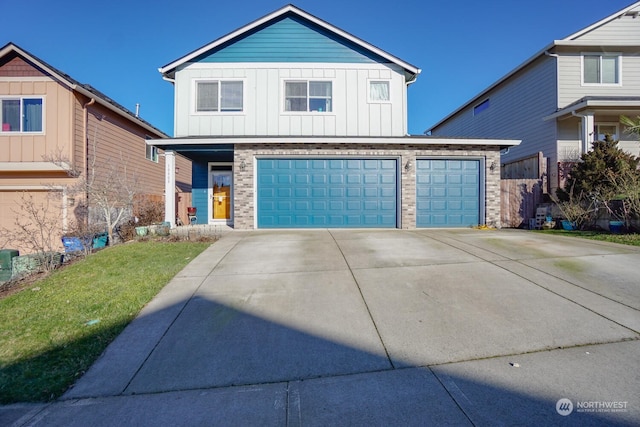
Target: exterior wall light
<point>408,165</point>
<point>243,165</point>
<point>492,168</point>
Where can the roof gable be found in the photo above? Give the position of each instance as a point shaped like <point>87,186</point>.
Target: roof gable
<point>290,39</point>
<point>279,25</point>
<point>21,61</point>
<point>13,65</point>
<point>593,31</point>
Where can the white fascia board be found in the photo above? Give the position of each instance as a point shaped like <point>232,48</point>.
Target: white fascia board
<point>422,140</point>
<point>289,8</point>
<point>591,43</point>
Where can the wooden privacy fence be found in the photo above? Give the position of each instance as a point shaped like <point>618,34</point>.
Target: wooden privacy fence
<point>519,199</point>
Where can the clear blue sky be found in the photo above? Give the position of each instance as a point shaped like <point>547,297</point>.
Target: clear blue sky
<point>461,46</point>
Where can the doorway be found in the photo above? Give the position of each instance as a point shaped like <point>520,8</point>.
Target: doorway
<point>220,194</point>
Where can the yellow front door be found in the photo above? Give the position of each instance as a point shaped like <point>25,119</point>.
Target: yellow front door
<point>221,198</point>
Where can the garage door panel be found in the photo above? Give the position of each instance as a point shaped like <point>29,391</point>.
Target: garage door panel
<point>447,192</point>
<point>327,193</point>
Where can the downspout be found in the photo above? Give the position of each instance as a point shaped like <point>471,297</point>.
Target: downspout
<point>406,102</point>
<point>85,143</point>
<point>175,101</point>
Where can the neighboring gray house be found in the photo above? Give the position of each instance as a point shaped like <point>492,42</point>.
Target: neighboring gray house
<point>560,100</point>
<point>291,122</point>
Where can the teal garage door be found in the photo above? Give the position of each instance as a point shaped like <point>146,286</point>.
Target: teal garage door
<point>447,193</point>
<point>321,193</point>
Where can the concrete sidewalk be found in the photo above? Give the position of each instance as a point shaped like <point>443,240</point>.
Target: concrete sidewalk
<point>365,327</point>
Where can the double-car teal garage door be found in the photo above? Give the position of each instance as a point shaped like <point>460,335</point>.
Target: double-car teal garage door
<point>320,193</point>
<point>363,193</point>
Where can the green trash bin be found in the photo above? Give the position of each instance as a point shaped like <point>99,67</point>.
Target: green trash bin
<point>6,258</point>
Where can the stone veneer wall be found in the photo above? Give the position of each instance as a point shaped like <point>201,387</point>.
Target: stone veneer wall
<point>244,208</point>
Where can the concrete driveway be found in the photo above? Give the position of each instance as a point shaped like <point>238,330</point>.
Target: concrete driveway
<point>364,327</point>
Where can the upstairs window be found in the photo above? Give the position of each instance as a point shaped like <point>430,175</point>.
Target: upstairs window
<point>601,69</point>
<point>308,96</point>
<point>484,105</point>
<point>152,153</point>
<point>219,96</point>
<point>21,115</point>
<point>379,91</point>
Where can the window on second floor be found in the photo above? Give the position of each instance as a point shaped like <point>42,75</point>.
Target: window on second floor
<point>219,96</point>
<point>379,91</point>
<point>484,105</point>
<point>601,68</point>
<point>307,96</point>
<point>21,114</point>
<point>152,153</point>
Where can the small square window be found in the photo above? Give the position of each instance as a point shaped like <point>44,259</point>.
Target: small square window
<point>379,91</point>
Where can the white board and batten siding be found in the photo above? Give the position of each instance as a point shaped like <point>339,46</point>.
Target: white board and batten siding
<point>353,114</point>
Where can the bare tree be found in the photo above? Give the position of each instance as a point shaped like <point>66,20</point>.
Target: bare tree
<point>106,187</point>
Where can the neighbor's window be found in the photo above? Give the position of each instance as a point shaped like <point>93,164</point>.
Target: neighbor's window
<point>379,91</point>
<point>21,115</point>
<point>484,105</point>
<point>152,153</point>
<point>307,96</point>
<point>601,68</point>
<point>602,129</point>
<point>219,96</point>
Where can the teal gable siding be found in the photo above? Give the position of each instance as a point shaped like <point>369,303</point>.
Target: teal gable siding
<point>290,39</point>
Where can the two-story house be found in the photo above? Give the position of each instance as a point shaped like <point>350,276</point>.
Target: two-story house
<point>291,122</point>
<point>56,130</point>
<point>559,101</point>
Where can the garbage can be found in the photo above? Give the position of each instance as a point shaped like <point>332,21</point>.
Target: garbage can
<point>6,259</point>
<point>100,240</point>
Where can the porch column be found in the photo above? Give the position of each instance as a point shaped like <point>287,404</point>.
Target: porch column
<point>588,126</point>
<point>170,187</point>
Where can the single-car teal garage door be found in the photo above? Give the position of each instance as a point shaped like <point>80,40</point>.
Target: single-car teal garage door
<point>448,193</point>
<point>320,193</point>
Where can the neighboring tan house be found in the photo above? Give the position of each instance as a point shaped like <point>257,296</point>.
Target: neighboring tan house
<point>291,122</point>
<point>54,127</point>
<point>560,100</point>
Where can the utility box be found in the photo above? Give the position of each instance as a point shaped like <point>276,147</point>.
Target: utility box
<point>6,260</point>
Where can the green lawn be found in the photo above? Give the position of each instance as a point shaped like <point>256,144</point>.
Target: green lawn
<point>625,239</point>
<point>52,331</point>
